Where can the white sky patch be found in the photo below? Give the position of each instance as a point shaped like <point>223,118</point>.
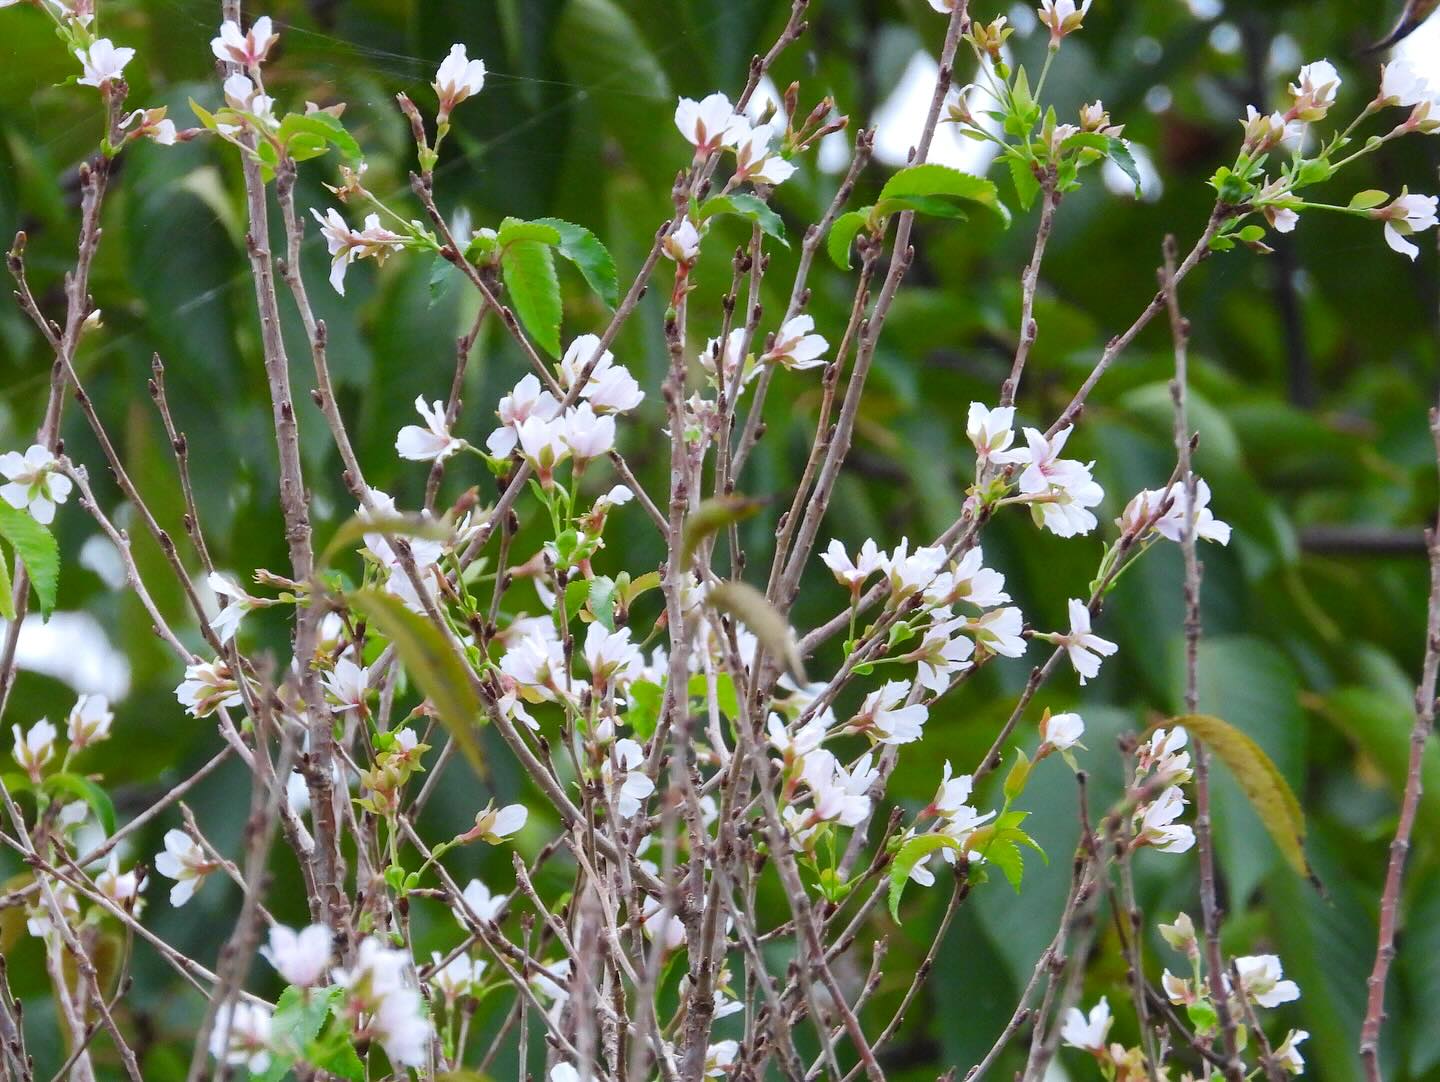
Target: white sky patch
<point>74,649</point>
<point>900,120</point>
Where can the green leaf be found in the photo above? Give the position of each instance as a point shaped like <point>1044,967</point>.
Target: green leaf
<point>1023,177</point>
<point>513,230</point>
<point>7,599</point>
<point>309,135</point>
<point>36,547</point>
<point>750,207</point>
<point>1368,199</point>
<point>431,663</point>
<point>601,599</point>
<point>642,709</point>
<point>582,248</point>
<point>77,785</point>
<point>842,235</point>
<point>1261,781</point>
<point>1119,153</point>
<point>296,1023</point>
<point>933,181</point>
<point>1019,774</point>
<point>911,853</point>
<point>529,271</point>
<point>750,607</point>
<point>334,1053</point>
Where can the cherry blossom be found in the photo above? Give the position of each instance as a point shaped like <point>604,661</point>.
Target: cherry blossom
<point>1314,90</point>
<point>682,244</point>
<point>610,654</point>
<point>480,902</point>
<point>241,1035</point>
<point>526,400</point>
<point>885,714</point>
<point>1406,215</point>
<point>35,748</point>
<point>796,347</point>
<point>457,79</point>
<point>1261,980</point>
<point>992,434</point>
<point>999,631</point>
<point>707,124</point>
<point>1287,1054</point>
<point>544,443</point>
<point>969,582</point>
<point>433,442</point>
<point>494,825</point>
<point>122,888</point>
<point>1401,84</point>
<point>238,603</point>
<point>587,434</point>
<point>185,862</point>
<point>347,245</point>
<point>103,62</point>
<point>248,49</point>
<point>1088,1033</point>
<point>1157,826</point>
<point>208,685</point>
<point>754,160</point>
<point>381,997</point>
<point>940,655</point>
<point>853,573</point>
<point>1062,731</point>
<point>1062,17</point>
<point>89,721</point>
<point>634,787</point>
<point>1084,648</point>
<point>300,957</point>
<point>34,483</point>
<point>346,685</point>
<point>908,572</point>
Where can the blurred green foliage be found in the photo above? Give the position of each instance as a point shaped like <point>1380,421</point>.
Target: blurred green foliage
<point>1313,371</point>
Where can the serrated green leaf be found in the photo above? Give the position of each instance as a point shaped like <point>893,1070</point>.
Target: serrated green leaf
<point>1023,177</point>
<point>749,207</point>
<point>642,707</point>
<point>295,1024</point>
<point>431,663</point>
<point>1119,153</point>
<point>77,785</point>
<point>513,230</point>
<point>601,599</point>
<point>933,181</point>
<point>7,598</point>
<point>843,232</point>
<point>309,135</point>
<point>36,547</point>
<point>911,853</point>
<point>582,248</point>
<point>528,268</point>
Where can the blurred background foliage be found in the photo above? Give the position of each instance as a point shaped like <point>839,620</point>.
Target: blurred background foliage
<point>1313,371</point>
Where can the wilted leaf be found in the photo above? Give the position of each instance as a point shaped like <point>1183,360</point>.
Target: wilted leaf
<point>431,663</point>
<point>749,606</point>
<point>1263,784</point>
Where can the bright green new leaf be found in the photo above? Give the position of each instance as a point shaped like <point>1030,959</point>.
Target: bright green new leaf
<point>922,185</point>
<point>593,260</point>
<point>911,853</point>
<point>36,547</point>
<point>77,785</point>
<point>513,230</point>
<point>750,207</point>
<point>843,233</point>
<point>528,268</point>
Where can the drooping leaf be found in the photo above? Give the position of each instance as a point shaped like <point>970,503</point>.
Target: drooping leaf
<point>712,516</point>
<point>582,248</point>
<point>528,268</point>
<point>309,135</point>
<point>931,181</point>
<point>1263,784</point>
<point>431,663</point>
<point>749,606</point>
<point>843,233</point>
<point>911,853</point>
<point>747,206</point>
<point>1119,153</point>
<point>36,547</point>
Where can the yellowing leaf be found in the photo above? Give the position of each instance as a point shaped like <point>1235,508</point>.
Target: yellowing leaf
<point>431,663</point>
<point>749,606</point>
<point>712,516</point>
<point>1263,784</point>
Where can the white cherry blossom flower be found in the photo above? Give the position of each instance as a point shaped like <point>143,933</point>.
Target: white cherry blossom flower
<point>793,747</point>
<point>300,957</point>
<point>840,796</point>
<point>940,655</point>
<point>1172,524</point>
<point>151,124</point>
<point>732,362</point>
<point>1261,979</point>
<point>1401,84</point>
<point>34,749</point>
<point>241,1036</point>
<point>1088,1033</point>
<point>1158,828</point>
<point>458,78</point>
<point>682,244</point>
<point>245,97</point>
<point>494,825</point>
<point>885,714</point>
<point>238,603</point>
<point>720,1057</point>
<point>208,685</point>
<point>796,346</point>
<point>707,123</point>
<point>34,483</point>
<point>1084,648</point>
<point>1061,489</point>
<point>1000,631</point>
<point>564,1072</point>
<point>89,721</point>
<point>1315,89</point>
<point>122,888</point>
<point>377,986</point>
<point>908,572</point>
<point>103,62</point>
<point>659,923</point>
<point>248,49</point>
<point>1288,1056</point>
<point>433,442</point>
<point>634,786</point>
<point>1162,754</point>
<point>346,245</point>
<point>754,160</point>
<point>456,977</point>
<point>610,654</point>
<point>969,582</point>
<point>346,685</point>
<point>526,400</point>
<point>536,663</point>
<point>480,902</point>
<point>587,434</point>
<point>992,433</point>
<point>185,862</point>
<point>853,573</point>
<point>953,793</point>
<point>1407,215</point>
<point>610,386</point>
<point>1062,731</point>
<point>1062,17</point>
<point>544,443</point>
